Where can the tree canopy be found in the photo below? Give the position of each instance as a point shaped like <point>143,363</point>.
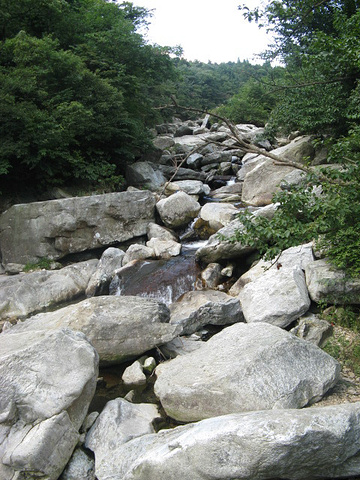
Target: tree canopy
<point>77,90</point>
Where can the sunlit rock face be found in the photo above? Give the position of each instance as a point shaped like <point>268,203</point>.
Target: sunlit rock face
<point>56,228</point>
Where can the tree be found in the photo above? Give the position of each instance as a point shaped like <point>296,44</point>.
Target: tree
<point>319,43</point>
<point>77,88</point>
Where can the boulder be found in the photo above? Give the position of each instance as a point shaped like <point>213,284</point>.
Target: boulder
<point>163,142</point>
<point>110,261</point>
<point>183,130</point>
<point>27,293</point>
<point>298,256</point>
<point>262,182</point>
<point>134,375</point>
<point>47,380</point>
<point>137,251</point>
<point>157,231</point>
<point>218,215</point>
<point>181,346</point>
<point>53,229</point>
<point>245,368</point>
<point>216,157</point>
<point>144,174</point>
<point>80,466</point>
<point>330,284</point>
<point>211,275</point>
<point>278,297</point>
<point>182,173</point>
<point>177,210</point>
<point>202,307</point>
<point>313,329</point>
<point>300,150</point>
<point>119,423</point>
<point>304,444</point>
<point>191,187</point>
<point>120,328</point>
<point>220,246</point>
<point>164,248</point>
<point>263,177</point>
<point>194,160</point>
<point>249,162</point>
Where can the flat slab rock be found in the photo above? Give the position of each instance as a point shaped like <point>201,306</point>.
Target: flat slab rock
<point>47,381</point>
<point>289,444</point>
<point>55,228</point>
<point>28,293</point>
<point>120,328</point>
<point>245,367</point>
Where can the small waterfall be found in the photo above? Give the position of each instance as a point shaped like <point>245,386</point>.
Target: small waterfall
<point>164,280</point>
<point>232,181</point>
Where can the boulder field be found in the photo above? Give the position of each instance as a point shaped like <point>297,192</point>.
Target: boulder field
<point>221,380</point>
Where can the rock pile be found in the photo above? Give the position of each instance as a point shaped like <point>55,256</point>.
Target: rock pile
<point>241,392</point>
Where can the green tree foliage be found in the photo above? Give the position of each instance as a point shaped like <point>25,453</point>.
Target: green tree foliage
<point>209,85</point>
<point>319,42</point>
<point>77,86</point>
<point>255,100</point>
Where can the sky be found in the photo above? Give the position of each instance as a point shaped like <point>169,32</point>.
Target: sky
<point>207,30</point>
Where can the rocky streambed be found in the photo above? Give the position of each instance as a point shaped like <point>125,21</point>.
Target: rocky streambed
<point>210,364</point>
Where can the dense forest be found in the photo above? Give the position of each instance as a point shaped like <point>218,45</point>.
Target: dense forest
<point>79,84</point>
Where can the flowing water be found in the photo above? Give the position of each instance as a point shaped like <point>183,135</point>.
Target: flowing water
<point>164,280</point>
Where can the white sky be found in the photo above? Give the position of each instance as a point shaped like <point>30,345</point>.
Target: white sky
<point>206,29</point>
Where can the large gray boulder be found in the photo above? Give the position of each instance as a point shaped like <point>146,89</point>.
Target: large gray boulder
<point>298,256</point>
<point>245,367</point>
<point>262,182</point>
<point>47,380</point>
<point>53,229</point>
<point>263,177</point>
<point>177,210</point>
<point>28,293</point>
<point>201,307</point>
<point>218,214</point>
<point>119,423</point>
<point>120,328</point>
<point>328,283</point>
<point>290,444</point>
<point>279,297</point>
<point>145,174</point>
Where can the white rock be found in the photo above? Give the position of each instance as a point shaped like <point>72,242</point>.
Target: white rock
<point>134,375</point>
<point>164,248</point>
<point>137,251</point>
<point>120,328</point>
<point>245,367</point>
<point>47,380</point>
<point>218,214</point>
<point>295,444</point>
<point>201,307</point>
<point>278,297</point>
<point>109,262</point>
<point>177,210</point>
<point>118,423</point>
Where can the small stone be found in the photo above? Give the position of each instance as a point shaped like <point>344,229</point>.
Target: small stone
<point>134,375</point>
<point>149,365</point>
